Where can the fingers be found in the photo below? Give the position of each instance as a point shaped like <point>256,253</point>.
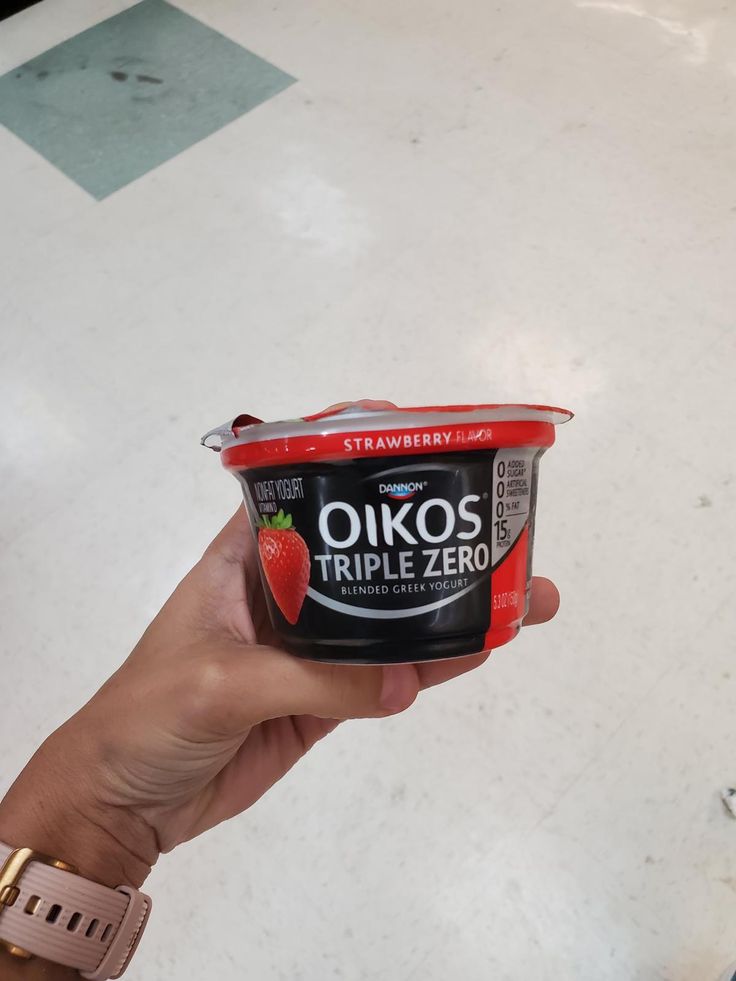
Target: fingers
<point>399,688</point>
<point>545,601</point>
<point>216,595</point>
<point>261,683</point>
<point>345,691</point>
<point>438,672</point>
<point>246,685</point>
<point>362,403</point>
<point>235,542</point>
<point>234,546</point>
<point>252,684</point>
<point>264,683</point>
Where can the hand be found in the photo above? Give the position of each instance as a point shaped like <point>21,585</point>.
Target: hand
<point>204,716</point>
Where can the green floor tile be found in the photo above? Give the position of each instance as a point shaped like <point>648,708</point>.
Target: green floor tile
<point>131,92</point>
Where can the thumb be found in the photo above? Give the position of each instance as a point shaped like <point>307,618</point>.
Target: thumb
<point>258,683</point>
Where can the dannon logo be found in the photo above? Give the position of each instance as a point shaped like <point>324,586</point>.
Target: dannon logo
<point>402,491</point>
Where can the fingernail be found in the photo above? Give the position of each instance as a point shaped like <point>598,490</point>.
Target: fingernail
<point>396,688</point>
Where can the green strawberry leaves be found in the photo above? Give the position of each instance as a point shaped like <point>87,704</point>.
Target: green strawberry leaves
<point>278,521</point>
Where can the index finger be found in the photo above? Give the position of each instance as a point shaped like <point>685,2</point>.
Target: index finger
<point>545,601</point>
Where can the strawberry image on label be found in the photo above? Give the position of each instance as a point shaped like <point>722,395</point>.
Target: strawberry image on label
<point>285,562</point>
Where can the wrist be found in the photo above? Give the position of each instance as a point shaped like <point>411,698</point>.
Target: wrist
<point>52,808</point>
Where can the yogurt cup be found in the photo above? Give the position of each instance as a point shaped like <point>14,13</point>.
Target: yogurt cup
<point>389,534</point>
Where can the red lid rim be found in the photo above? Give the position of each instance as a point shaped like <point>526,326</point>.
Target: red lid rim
<point>247,440</point>
<point>358,415</point>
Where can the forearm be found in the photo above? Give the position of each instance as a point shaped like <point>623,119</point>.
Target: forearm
<point>20,826</point>
<point>49,809</point>
<point>54,807</point>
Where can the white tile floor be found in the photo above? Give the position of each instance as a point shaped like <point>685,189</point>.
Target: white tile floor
<point>456,202</point>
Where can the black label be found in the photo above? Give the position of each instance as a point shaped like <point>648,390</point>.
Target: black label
<point>398,548</point>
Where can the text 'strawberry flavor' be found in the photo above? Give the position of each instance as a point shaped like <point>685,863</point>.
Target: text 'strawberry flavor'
<point>387,534</point>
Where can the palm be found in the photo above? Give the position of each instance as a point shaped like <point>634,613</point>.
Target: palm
<point>270,748</point>
<point>205,770</point>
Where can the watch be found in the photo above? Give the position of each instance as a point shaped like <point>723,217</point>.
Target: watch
<point>47,910</point>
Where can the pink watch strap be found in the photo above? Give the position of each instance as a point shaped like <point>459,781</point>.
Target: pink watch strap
<point>71,920</point>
